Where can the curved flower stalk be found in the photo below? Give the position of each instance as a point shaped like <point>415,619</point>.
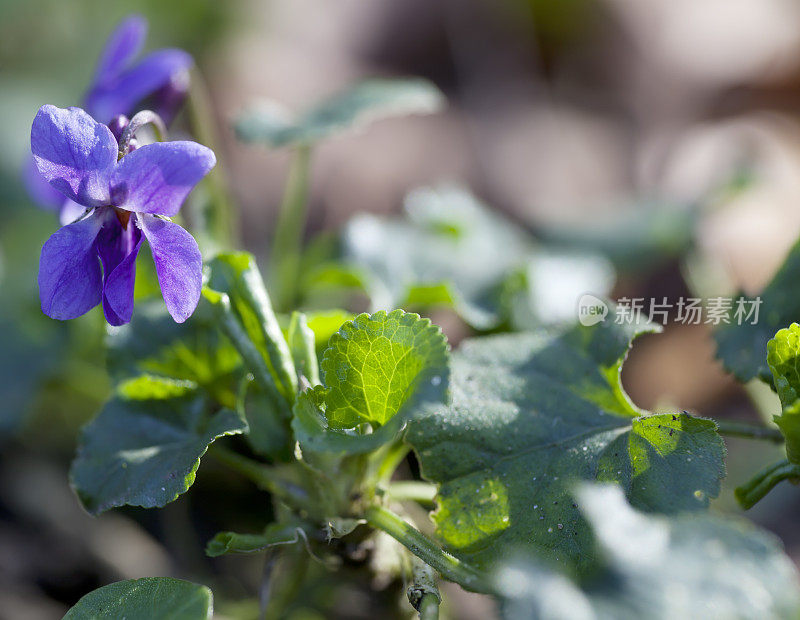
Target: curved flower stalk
<point>118,85</point>
<point>128,200</point>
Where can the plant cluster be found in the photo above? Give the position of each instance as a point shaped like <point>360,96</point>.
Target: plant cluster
<point>553,492</point>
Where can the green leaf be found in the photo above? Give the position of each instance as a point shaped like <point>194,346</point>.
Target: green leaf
<point>641,239</point>
<point>445,253</point>
<point>531,414</point>
<point>378,371</point>
<point>236,276</point>
<point>376,365</point>
<point>144,447</point>
<point>232,542</point>
<point>690,566</point>
<point>151,598</point>
<point>269,123</point>
<point>153,343</point>
<point>783,357</point>
<point>743,348</point>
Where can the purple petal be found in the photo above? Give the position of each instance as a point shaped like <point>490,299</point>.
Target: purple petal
<point>179,265</point>
<point>120,95</point>
<point>156,178</point>
<point>70,278</point>
<point>40,191</point>
<point>70,211</point>
<point>123,45</point>
<point>118,248</point>
<point>74,153</point>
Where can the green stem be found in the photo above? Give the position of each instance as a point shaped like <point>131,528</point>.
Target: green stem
<point>262,475</point>
<point>222,224</point>
<point>425,549</point>
<point>751,431</point>
<point>752,492</point>
<point>389,459</point>
<point>284,266</point>
<point>412,490</point>
<point>242,343</point>
<point>429,607</point>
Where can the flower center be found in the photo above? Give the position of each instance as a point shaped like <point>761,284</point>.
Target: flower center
<point>123,216</point>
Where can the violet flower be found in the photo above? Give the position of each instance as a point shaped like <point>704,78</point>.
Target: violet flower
<point>118,85</point>
<point>93,259</point>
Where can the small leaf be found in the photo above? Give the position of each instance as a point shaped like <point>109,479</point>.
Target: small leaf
<point>144,447</point>
<point>232,542</point>
<point>783,357</point>
<point>742,347</point>
<point>376,365</point>
<point>533,413</point>
<point>689,566</point>
<point>369,101</point>
<point>378,371</point>
<point>151,598</point>
<point>236,276</point>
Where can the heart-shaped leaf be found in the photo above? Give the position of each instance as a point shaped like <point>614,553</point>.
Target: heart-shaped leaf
<point>150,598</point>
<point>144,447</point>
<point>533,413</point>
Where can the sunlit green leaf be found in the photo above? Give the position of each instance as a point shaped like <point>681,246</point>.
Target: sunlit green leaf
<point>144,447</point>
<point>151,598</point>
<point>378,371</point>
<point>689,566</point>
<point>531,414</point>
<point>269,123</point>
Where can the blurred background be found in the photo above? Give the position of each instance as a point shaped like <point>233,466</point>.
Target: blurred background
<point>602,118</point>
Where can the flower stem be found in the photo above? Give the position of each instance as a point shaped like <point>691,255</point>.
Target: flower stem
<point>284,266</point>
<point>750,431</point>
<point>413,490</point>
<point>219,219</point>
<point>425,549</point>
<point>752,492</point>
<point>262,475</point>
<point>429,607</point>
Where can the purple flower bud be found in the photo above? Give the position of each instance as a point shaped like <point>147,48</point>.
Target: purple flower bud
<point>118,125</point>
<point>169,98</point>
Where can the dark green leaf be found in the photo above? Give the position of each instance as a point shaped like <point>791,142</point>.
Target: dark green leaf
<point>151,598</point>
<point>531,414</point>
<point>690,566</point>
<point>144,447</point>
<point>742,348</point>
<point>269,123</point>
